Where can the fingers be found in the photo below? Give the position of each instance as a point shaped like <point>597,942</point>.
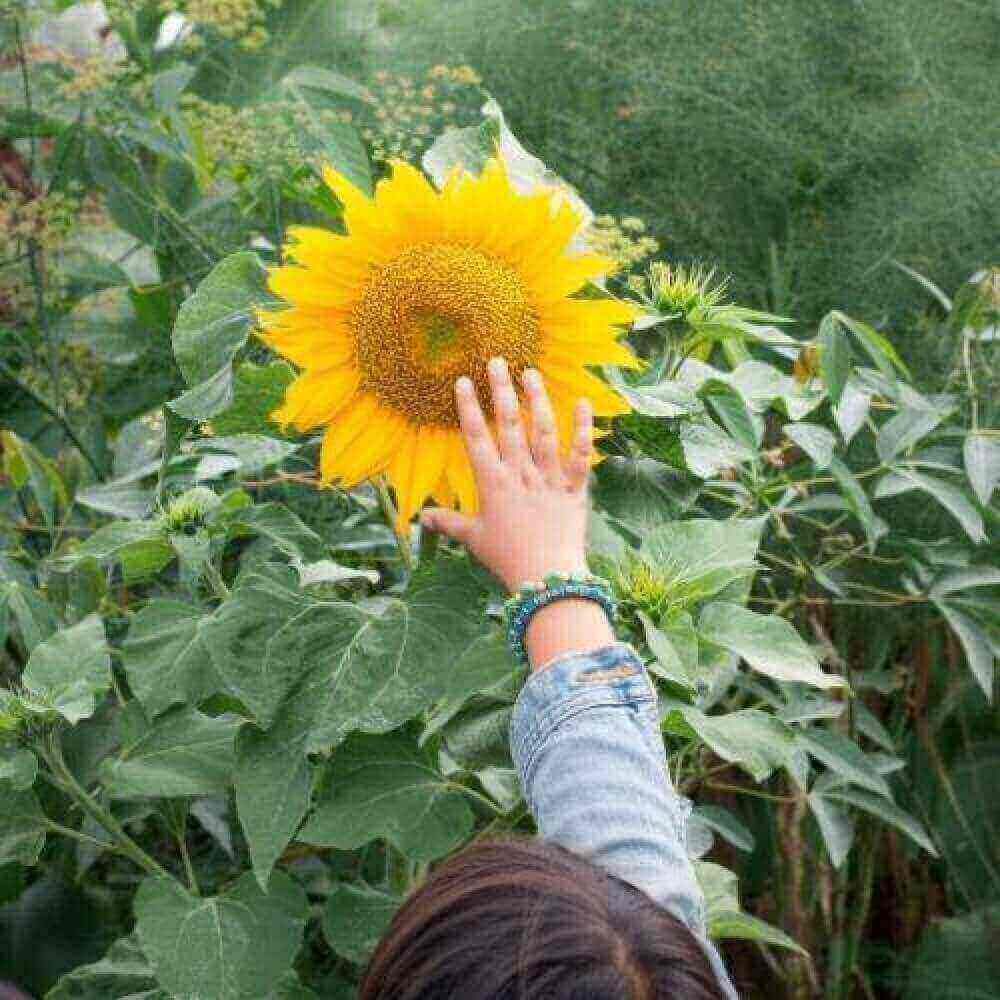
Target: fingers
<point>478,441</point>
<point>510,428</point>
<point>578,463</point>
<point>458,527</point>
<point>544,436</point>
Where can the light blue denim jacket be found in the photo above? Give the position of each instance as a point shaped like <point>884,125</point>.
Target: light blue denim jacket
<point>586,742</point>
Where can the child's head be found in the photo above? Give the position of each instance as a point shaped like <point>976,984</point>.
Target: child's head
<point>526,920</point>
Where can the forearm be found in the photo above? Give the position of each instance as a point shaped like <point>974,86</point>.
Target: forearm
<point>566,626</point>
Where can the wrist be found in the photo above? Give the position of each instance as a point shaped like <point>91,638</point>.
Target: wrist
<point>571,624</point>
<point>538,569</point>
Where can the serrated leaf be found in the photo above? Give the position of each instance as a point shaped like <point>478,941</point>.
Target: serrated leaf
<point>708,450</point>
<point>733,413</point>
<point>257,392</point>
<point>979,651</point>
<point>383,786</point>
<point>207,398</point>
<point>817,442</point>
<point>769,644</point>
<point>114,540</point>
<point>124,972</point>
<point>981,453</point>
<point>641,492</point>
<point>843,757</point>
<point>283,528</point>
<point>857,501</point>
<point>70,669</point>
<point>755,740</point>
<point>723,822</point>
<point>182,753</point>
<point>906,428</point>
<point>884,810</point>
<point>355,918</point>
<point>164,658</point>
<point>226,947</point>
<point>835,826</point>
<point>852,410</point>
<point>668,664</point>
<point>28,467</point>
<point>950,497</point>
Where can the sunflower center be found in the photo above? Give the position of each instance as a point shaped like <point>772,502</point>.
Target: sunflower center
<point>435,312</point>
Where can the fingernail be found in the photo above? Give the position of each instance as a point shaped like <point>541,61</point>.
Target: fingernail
<point>463,385</point>
<point>497,366</point>
<point>531,377</point>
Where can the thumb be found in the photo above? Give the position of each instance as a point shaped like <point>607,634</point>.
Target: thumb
<point>458,527</point>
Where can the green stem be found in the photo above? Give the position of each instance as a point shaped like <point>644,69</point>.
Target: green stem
<point>428,547</point>
<point>53,757</point>
<point>214,578</point>
<point>389,510</point>
<point>186,858</point>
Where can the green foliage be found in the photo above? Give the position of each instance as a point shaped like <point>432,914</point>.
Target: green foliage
<point>232,709</point>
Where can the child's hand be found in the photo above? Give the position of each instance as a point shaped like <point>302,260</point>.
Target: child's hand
<point>532,516</point>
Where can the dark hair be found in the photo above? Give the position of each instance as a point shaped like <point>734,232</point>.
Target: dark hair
<point>520,919</point>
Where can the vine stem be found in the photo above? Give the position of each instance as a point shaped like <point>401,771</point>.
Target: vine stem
<point>125,844</point>
<point>389,510</point>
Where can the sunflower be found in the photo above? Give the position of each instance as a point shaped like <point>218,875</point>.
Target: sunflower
<point>426,286</point>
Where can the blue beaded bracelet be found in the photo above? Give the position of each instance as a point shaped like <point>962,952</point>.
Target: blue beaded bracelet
<point>530,597</point>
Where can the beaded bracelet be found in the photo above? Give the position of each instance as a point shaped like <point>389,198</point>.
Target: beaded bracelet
<point>530,597</point>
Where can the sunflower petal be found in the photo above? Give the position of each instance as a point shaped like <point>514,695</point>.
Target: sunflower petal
<point>316,397</point>
<point>360,443</point>
<point>556,353</point>
<point>571,385</point>
<point>416,468</point>
<point>460,475</point>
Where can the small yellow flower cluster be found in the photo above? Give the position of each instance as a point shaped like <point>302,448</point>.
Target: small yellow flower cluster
<point>622,240</point>
<point>43,221</point>
<point>79,376</point>
<point>91,75</point>
<point>406,114</point>
<point>240,21</point>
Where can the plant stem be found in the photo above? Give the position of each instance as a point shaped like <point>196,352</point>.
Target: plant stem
<point>53,757</point>
<point>428,547</point>
<point>389,510</point>
<point>214,578</point>
<point>186,858</point>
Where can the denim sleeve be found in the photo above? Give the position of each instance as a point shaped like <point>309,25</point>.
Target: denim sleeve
<point>586,742</point>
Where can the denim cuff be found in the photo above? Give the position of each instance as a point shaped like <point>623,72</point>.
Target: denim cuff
<point>570,683</point>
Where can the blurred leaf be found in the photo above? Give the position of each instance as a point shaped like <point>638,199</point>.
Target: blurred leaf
<point>123,972</point>
<point>22,828</point>
<point>950,497</point>
<point>980,653</point>
<point>18,768</point>
<point>835,360</point>
<point>906,428</point>
<point>852,410</point>
<point>835,826</point>
<point>257,392</point>
<point>884,810</point>
<point>708,450</point>
<point>843,757</point>
<point>641,492</point>
<point>857,501</point>
<point>723,822</point>
<point>743,925</point>
<point>355,918</point>
<point>982,463</point>
<point>817,442</point>
<point>26,466</point>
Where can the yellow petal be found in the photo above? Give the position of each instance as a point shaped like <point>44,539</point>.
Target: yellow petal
<point>416,468</point>
<point>565,275</point>
<point>324,252</point>
<point>313,289</point>
<point>570,386</point>
<point>322,345</point>
<point>409,201</point>
<point>360,443</point>
<point>316,397</point>
<point>566,353</point>
<point>590,313</point>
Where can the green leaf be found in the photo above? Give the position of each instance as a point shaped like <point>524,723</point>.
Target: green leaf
<point>243,453</point>
<point>769,644</point>
<point>858,502</point>
<point>118,540</point>
<point>641,492</point>
<point>18,769</point>
<point>755,740</point>
<point>164,658</point>
<point>213,324</point>
<point>70,669</point>
<point>285,529</point>
<point>719,886</point>
<point>257,392</point>
<point>878,347</point>
<point>668,664</point>
<point>478,736</point>
<point>355,918</point>
<point>835,826</point>
<point>742,925</point>
<point>907,428</point>
<point>835,359</point>
<point>817,442</point>
<point>239,944</point>
<point>26,466</point>
<point>979,651</point>
<point>852,410</point>
<point>981,452</point>
<point>321,78</point>
<point>182,753</point>
<point>950,497</point>
<point>843,757</point>
<point>702,556</point>
<point>708,450</point>
<point>383,786</point>
<point>123,972</point>
<point>965,579</point>
<point>884,810</point>
<point>35,618</point>
<point>732,411</point>
<point>118,499</point>
<point>207,398</point>
<point>357,667</point>
<point>723,822</point>
<point>273,786</point>
<point>22,828</point>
